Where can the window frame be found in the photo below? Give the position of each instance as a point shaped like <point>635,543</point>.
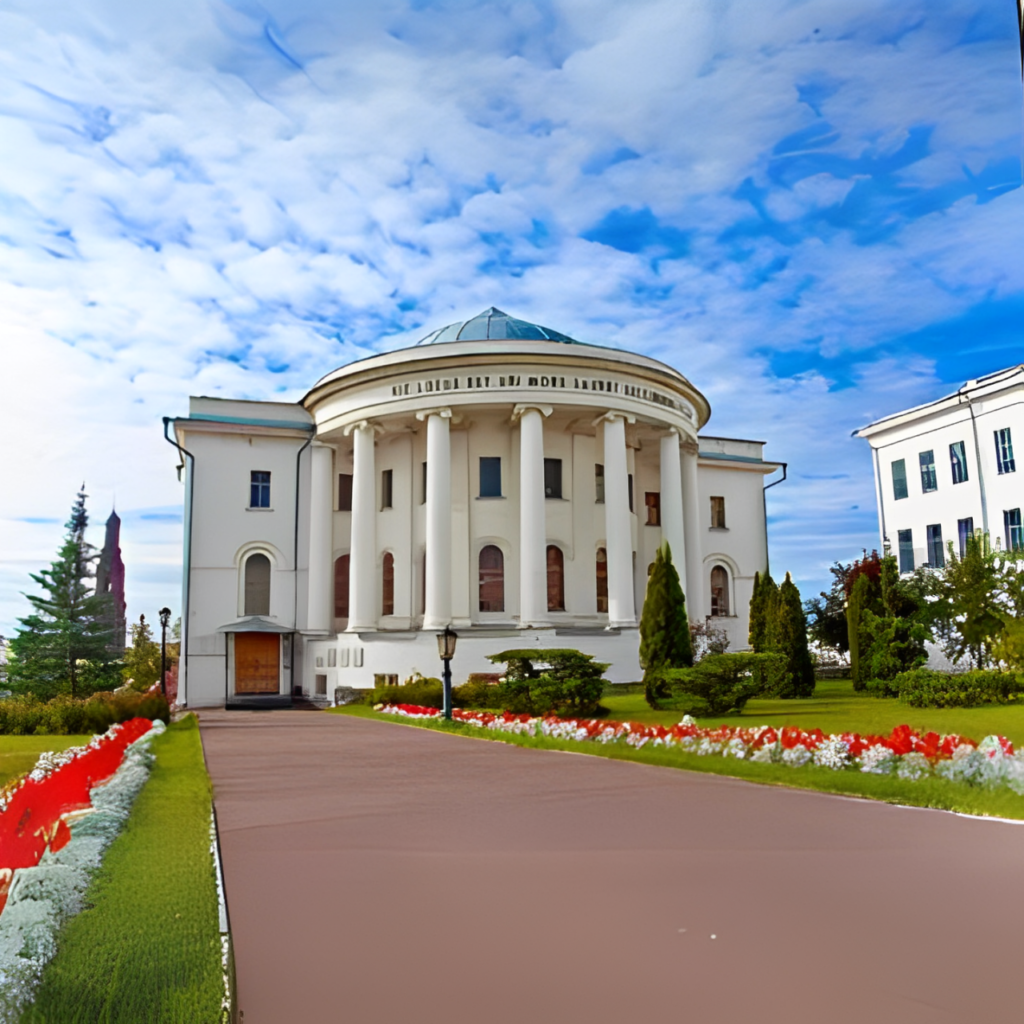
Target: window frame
<point>342,570</point>
<point>1005,462</point>
<point>905,547</point>
<point>652,502</point>
<point>899,480</point>
<point>387,488</point>
<point>718,520</point>
<point>720,604</point>
<point>489,477</point>
<point>344,492</point>
<point>1012,525</point>
<point>598,483</point>
<point>933,542</point>
<point>259,489</point>
<point>601,580</point>
<point>958,462</point>
<point>929,478</point>
<point>553,470</point>
<point>387,584</point>
<point>559,585</point>
<point>250,584</point>
<point>964,531</point>
<point>495,579</point>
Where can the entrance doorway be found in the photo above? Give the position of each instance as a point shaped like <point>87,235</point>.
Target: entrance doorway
<point>257,663</point>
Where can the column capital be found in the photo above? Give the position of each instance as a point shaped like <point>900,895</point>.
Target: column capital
<point>611,416</point>
<point>689,447</point>
<point>518,410</point>
<point>444,412</point>
<point>363,425</point>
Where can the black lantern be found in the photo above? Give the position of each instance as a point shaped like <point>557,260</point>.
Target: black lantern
<point>165,619</point>
<point>446,650</point>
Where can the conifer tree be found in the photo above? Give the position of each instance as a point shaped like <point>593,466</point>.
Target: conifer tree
<point>762,610</point>
<point>142,659</point>
<point>664,626</point>
<point>66,628</point>
<point>790,640</point>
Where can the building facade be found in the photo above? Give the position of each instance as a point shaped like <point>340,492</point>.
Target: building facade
<point>498,477</point>
<point>947,469</point>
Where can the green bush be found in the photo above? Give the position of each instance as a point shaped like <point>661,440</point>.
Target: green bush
<point>481,690</point>
<point>717,684</point>
<point>424,691</point>
<point>556,682</point>
<point>926,688</point>
<point>69,716</point>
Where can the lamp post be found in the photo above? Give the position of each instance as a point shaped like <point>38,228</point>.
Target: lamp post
<point>446,649</point>
<point>165,618</point>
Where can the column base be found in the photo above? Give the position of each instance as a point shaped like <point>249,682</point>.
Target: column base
<point>361,629</point>
<point>622,624</point>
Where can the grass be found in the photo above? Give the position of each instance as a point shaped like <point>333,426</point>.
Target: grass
<point>18,754</point>
<point>835,707</point>
<point>147,948</point>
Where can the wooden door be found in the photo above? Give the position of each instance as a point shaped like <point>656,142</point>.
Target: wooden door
<point>257,663</point>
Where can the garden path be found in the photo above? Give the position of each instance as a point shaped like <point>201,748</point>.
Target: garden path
<point>381,873</point>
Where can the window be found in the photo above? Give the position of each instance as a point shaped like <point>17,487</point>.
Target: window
<point>718,513</point>
<point>490,477</point>
<point>423,485</point>
<point>899,479</point>
<point>1014,530</point>
<point>344,492</point>
<point>928,480</point>
<point>958,462</point>
<point>321,684</point>
<point>599,483</point>
<point>492,579</point>
<point>552,478</point>
<point>1004,452</point>
<point>602,580</point>
<point>385,679</point>
<point>719,591</point>
<point>652,499</point>
<point>387,589</point>
<point>341,587</point>
<point>906,546</point>
<point>257,585</point>
<point>964,530</point>
<point>259,489</point>
<point>332,657</point>
<point>556,579</point>
<point>936,558</point>
<point>629,489</point>
<point>386,485</point>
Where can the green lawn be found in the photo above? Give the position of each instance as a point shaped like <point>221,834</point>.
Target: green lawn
<point>18,754</point>
<point>147,948</point>
<point>834,708</point>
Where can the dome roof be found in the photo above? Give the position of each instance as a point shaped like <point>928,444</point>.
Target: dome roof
<point>494,325</point>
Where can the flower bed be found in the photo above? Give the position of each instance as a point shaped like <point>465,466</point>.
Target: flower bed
<point>904,753</point>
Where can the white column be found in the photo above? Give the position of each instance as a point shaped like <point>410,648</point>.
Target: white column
<point>692,530</point>
<point>621,610</point>
<point>672,503</point>
<point>533,569</point>
<point>321,506</point>
<point>362,560</point>
<point>438,611</point>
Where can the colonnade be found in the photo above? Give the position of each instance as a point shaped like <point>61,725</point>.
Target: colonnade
<point>680,522</point>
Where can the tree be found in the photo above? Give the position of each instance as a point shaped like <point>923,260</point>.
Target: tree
<point>826,614</point>
<point>788,637</point>
<point>762,602</point>
<point>64,642</point>
<point>550,682</point>
<point>142,659</point>
<point>664,627</point>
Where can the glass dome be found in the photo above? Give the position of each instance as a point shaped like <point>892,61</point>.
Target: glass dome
<point>494,325</point>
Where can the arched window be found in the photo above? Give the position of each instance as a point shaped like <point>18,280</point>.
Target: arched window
<point>492,579</point>
<point>602,580</point>
<point>341,587</point>
<point>257,585</point>
<point>719,591</point>
<point>388,585</point>
<point>556,579</point>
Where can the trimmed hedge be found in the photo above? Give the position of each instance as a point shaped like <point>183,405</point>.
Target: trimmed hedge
<point>70,716</point>
<point>717,684</point>
<point>926,688</point>
<point>550,682</point>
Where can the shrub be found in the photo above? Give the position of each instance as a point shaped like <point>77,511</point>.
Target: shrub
<point>556,682</point>
<point>717,684</point>
<point>70,716</point>
<point>664,626</point>
<point>425,691</point>
<point>925,688</point>
<point>481,690</point>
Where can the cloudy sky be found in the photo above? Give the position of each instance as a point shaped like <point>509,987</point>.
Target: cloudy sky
<point>811,208</point>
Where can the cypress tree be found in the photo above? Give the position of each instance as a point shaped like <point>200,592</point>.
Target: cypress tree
<point>791,641</point>
<point>664,626</point>
<point>762,603</point>
<point>856,603</point>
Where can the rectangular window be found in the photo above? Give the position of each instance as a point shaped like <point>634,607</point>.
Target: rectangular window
<point>321,684</point>
<point>332,657</point>
<point>964,531</point>
<point>652,499</point>
<point>1014,530</point>
<point>899,479</point>
<point>936,556</point>
<point>490,477</point>
<point>344,492</point>
<point>1004,452</point>
<point>386,483</point>
<point>599,483</point>
<point>718,513</point>
<point>958,462</point>
<point>928,480</point>
<point>906,542</point>
<point>629,489</point>
<point>552,478</point>
<point>423,485</point>
<point>259,489</point>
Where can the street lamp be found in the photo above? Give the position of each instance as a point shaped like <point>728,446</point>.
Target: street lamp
<point>165,618</point>
<point>446,649</point>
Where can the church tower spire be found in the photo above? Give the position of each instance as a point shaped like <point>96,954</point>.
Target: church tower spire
<point>110,580</point>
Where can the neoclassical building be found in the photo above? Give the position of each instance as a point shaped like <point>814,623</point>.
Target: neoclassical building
<point>498,477</point>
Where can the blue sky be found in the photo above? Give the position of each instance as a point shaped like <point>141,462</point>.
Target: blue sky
<point>812,209</point>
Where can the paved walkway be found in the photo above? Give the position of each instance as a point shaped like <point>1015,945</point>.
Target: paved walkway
<point>379,873</point>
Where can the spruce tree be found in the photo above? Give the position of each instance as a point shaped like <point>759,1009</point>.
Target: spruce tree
<point>790,641</point>
<point>66,628</point>
<point>664,626</point>
<point>762,610</point>
<point>142,659</point>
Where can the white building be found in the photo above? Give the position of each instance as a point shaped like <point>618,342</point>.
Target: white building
<point>499,477</point>
<point>947,469</point>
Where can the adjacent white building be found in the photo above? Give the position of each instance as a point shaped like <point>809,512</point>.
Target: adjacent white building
<point>947,469</point>
<point>498,477</point>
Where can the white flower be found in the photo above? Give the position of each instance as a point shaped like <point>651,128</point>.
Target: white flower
<point>796,757</point>
<point>833,753</point>
<point>688,720</point>
<point>914,766</point>
<point>735,748</point>
<point>878,760</point>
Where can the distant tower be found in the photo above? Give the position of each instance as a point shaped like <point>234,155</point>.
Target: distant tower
<point>110,580</point>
